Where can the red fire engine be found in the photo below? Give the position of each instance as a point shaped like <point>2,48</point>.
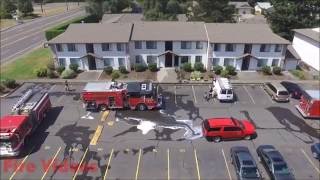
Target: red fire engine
<point>309,105</point>
<point>112,95</point>
<point>28,112</point>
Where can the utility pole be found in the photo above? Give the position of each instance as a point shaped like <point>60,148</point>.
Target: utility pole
<point>41,6</point>
<point>67,5</point>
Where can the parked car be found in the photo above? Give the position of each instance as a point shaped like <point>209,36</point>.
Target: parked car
<point>244,163</point>
<point>217,129</point>
<point>277,92</point>
<point>315,149</point>
<point>294,89</point>
<point>274,163</point>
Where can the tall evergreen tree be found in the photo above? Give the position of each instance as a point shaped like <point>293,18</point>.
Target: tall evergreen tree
<point>25,7</point>
<point>292,14</point>
<point>6,8</point>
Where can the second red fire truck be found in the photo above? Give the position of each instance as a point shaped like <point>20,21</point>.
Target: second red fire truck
<point>112,95</point>
<point>26,115</point>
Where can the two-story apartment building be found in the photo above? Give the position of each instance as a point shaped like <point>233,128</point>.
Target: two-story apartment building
<point>169,45</point>
<point>93,46</point>
<point>245,46</point>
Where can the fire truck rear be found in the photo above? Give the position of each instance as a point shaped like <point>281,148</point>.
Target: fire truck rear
<point>26,115</point>
<point>112,95</point>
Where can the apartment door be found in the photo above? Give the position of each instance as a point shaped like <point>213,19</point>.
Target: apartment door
<point>168,60</point>
<point>176,61</point>
<point>168,46</point>
<point>245,63</point>
<point>92,63</point>
<point>89,48</point>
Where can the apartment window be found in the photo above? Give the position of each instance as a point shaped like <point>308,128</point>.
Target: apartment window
<point>265,48</point>
<point>74,61</point>
<point>106,47</point>
<point>151,59</point>
<point>275,62</point>
<point>138,59</point>
<point>71,47</point>
<point>198,59</point>
<point>151,45</point>
<point>121,61</point>
<point>215,61</point>
<point>230,47</point>
<point>217,47</point>
<point>108,62</point>
<point>199,45</point>
<point>120,47</point>
<point>262,62</point>
<point>138,45</point>
<point>278,48</point>
<point>59,47</point>
<point>62,62</point>
<point>186,44</point>
<point>228,62</point>
<point>185,59</point>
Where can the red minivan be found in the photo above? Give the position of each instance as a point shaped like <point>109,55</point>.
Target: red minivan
<point>216,129</point>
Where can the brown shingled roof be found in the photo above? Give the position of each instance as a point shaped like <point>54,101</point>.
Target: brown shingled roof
<point>243,33</point>
<point>169,31</point>
<point>310,33</point>
<point>95,33</point>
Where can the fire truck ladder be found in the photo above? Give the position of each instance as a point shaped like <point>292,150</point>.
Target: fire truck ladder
<point>22,99</point>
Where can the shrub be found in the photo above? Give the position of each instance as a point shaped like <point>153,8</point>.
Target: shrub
<point>276,70</point>
<point>198,66</point>
<point>108,70</point>
<point>187,67</point>
<point>41,72</point>
<point>152,67</point>
<point>60,69</point>
<point>2,88</point>
<point>51,66</point>
<point>123,70</point>
<point>231,70</point>
<point>51,74</point>
<point>266,70</point>
<point>10,83</point>
<point>224,73</point>
<point>140,68</point>
<point>195,75</point>
<point>217,69</point>
<point>298,73</point>
<point>74,67</point>
<point>68,74</point>
<point>115,75</point>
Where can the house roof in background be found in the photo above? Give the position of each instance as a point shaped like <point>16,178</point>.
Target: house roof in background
<point>95,33</point>
<point>239,5</point>
<point>264,5</point>
<point>169,31</point>
<point>310,33</point>
<point>122,18</point>
<point>243,33</point>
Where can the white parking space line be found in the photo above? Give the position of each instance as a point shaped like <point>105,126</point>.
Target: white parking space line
<point>175,95</point>
<point>267,94</point>
<point>245,88</point>
<point>54,158</point>
<point>225,160</point>
<point>194,95</point>
<point>197,164</point>
<point>309,159</point>
<point>168,159</point>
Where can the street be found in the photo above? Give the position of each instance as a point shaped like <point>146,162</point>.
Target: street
<point>25,37</point>
<point>68,144</point>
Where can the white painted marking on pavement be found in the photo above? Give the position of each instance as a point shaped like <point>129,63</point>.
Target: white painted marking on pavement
<point>225,160</point>
<point>194,95</point>
<point>308,158</point>
<point>245,88</point>
<point>267,95</point>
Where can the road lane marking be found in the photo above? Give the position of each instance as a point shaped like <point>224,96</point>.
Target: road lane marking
<point>79,165</point>
<point>308,158</point>
<point>245,88</point>
<point>197,164</point>
<point>108,165</point>
<point>96,135</point>
<point>54,157</point>
<point>194,95</point>
<point>168,160</point>
<point>225,160</point>
<point>138,165</point>
<point>267,94</point>
<point>175,95</point>
<point>18,168</point>
<point>104,116</point>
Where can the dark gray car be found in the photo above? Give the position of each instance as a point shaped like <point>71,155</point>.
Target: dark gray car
<point>274,163</point>
<point>244,163</point>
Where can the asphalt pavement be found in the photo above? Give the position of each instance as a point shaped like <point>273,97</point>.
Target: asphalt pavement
<point>62,147</point>
<point>22,38</point>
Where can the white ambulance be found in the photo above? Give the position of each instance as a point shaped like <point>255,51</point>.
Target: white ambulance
<point>223,89</point>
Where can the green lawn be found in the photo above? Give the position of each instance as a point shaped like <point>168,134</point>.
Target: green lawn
<point>23,67</point>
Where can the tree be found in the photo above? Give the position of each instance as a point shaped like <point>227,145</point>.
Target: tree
<point>25,7</point>
<point>7,7</point>
<point>293,14</point>
<point>156,10</point>
<point>173,7</point>
<point>211,11</point>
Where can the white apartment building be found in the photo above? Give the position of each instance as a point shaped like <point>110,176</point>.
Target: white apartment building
<point>306,43</point>
<point>169,44</point>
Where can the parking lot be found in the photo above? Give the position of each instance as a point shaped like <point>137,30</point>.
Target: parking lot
<point>62,146</point>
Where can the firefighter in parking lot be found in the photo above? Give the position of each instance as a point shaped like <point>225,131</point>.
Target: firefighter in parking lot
<point>66,86</point>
